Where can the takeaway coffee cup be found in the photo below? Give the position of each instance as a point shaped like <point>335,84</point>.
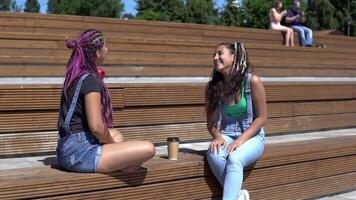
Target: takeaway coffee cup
<point>173,147</point>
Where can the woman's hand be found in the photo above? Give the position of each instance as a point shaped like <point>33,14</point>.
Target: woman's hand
<point>284,13</point>
<point>234,146</point>
<point>217,144</point>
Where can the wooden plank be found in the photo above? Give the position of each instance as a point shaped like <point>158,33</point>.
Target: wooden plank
<point>118,42</point>
<point>226,30</point>
<point>28,143</point>
<point>124,45</point>
<point>41,56</point>
<point>297,172</point>
<point>297,120</point>
<point>307,162</point>
<point>41,70</point>
<point>308,189</point>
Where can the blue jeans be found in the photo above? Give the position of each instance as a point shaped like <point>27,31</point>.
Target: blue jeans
<point>229,169</point>
<point>305,35</point>
<point>79,152</point>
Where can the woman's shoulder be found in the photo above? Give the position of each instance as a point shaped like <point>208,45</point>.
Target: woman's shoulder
<point>91,83</point>
<point>272,9</point>
<point>91,77</point>
<point>255,79</point>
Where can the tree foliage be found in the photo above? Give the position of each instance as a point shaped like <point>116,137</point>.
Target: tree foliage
<point>345,14</point>
<point>161,10</point>
<point>5,5</point>
<point>9,5</point>
<point>255,13</point>
<point>103,8</point>
<point>201,12</point>
<point>232,14</point>
<point>32,6</point>
<point>189,11</point>
<point>321,15</point>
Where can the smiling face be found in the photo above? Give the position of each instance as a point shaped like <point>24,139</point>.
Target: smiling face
<point>223,59</point>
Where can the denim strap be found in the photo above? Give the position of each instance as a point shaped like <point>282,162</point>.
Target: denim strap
<point>73,104</point>
<point>220,115</point>
<point>249,98</point>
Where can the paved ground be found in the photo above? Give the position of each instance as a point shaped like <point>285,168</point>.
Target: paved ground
<point>344,196</point>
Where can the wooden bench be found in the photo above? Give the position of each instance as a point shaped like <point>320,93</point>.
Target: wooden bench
<point>35,23</point>
<point>63,25</point>
<point>22,55</point>
<point>147,48</point>
<point>28,113</point>
<point>291,170</point>
<point>288,170</point>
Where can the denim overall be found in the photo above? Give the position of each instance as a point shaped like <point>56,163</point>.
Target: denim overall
<point>79,152</point>
<point>229,169</point>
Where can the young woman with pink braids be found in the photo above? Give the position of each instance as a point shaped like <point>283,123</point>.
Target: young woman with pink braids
<point>87,143</point>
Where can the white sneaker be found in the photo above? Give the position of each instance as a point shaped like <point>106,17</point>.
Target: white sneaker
<point>245,194</point>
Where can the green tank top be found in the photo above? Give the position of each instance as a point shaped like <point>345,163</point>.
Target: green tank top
<point>239,109</point>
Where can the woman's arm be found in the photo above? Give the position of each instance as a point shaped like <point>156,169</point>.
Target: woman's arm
<point>218,140</point>
<point>260,108</point>
<point>95,121</point>
<point>277,17</point>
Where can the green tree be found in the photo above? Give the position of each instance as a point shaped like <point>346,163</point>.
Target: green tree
<point>9,5</point>
<point>5,5</point>
<point>345,13</point>
<point>321,15</point>
<point>255,13</point>
<point>103,8</point>
<point>32,6</point>
<point>128,16</point>
<point>201,12</point>
<point>160,10</point>
<point>232,14</point>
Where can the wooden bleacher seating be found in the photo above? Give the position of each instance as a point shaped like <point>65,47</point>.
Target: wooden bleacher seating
<point>33,45</point>
<point>64,25</point>
<point>156,111</point>
<point>153,57</point>
<point>139,48</point>
<point>28,114</point>
<point>296,170</point>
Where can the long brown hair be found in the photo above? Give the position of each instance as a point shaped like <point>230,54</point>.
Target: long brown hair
<point>218,88</point>
<point>276,3</point>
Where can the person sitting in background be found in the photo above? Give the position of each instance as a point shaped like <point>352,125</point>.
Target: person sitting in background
<point>294,18</point>
<point>275,16</point>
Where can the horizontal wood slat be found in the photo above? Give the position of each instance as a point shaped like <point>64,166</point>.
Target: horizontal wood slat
<point>156,111</point>
<point>45,97</point>
<point>45,143</point>
<point>139,47</point>
<point>289,170</point>
<point>324,165</point>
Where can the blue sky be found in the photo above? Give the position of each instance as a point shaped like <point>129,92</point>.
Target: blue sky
<point>129,5</point>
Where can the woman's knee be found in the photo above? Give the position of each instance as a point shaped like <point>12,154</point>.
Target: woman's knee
<point>234,164</point>
<point>212,157</point>
<point>148,149</point>
<point>290,31</point>
<point>235,158</point>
